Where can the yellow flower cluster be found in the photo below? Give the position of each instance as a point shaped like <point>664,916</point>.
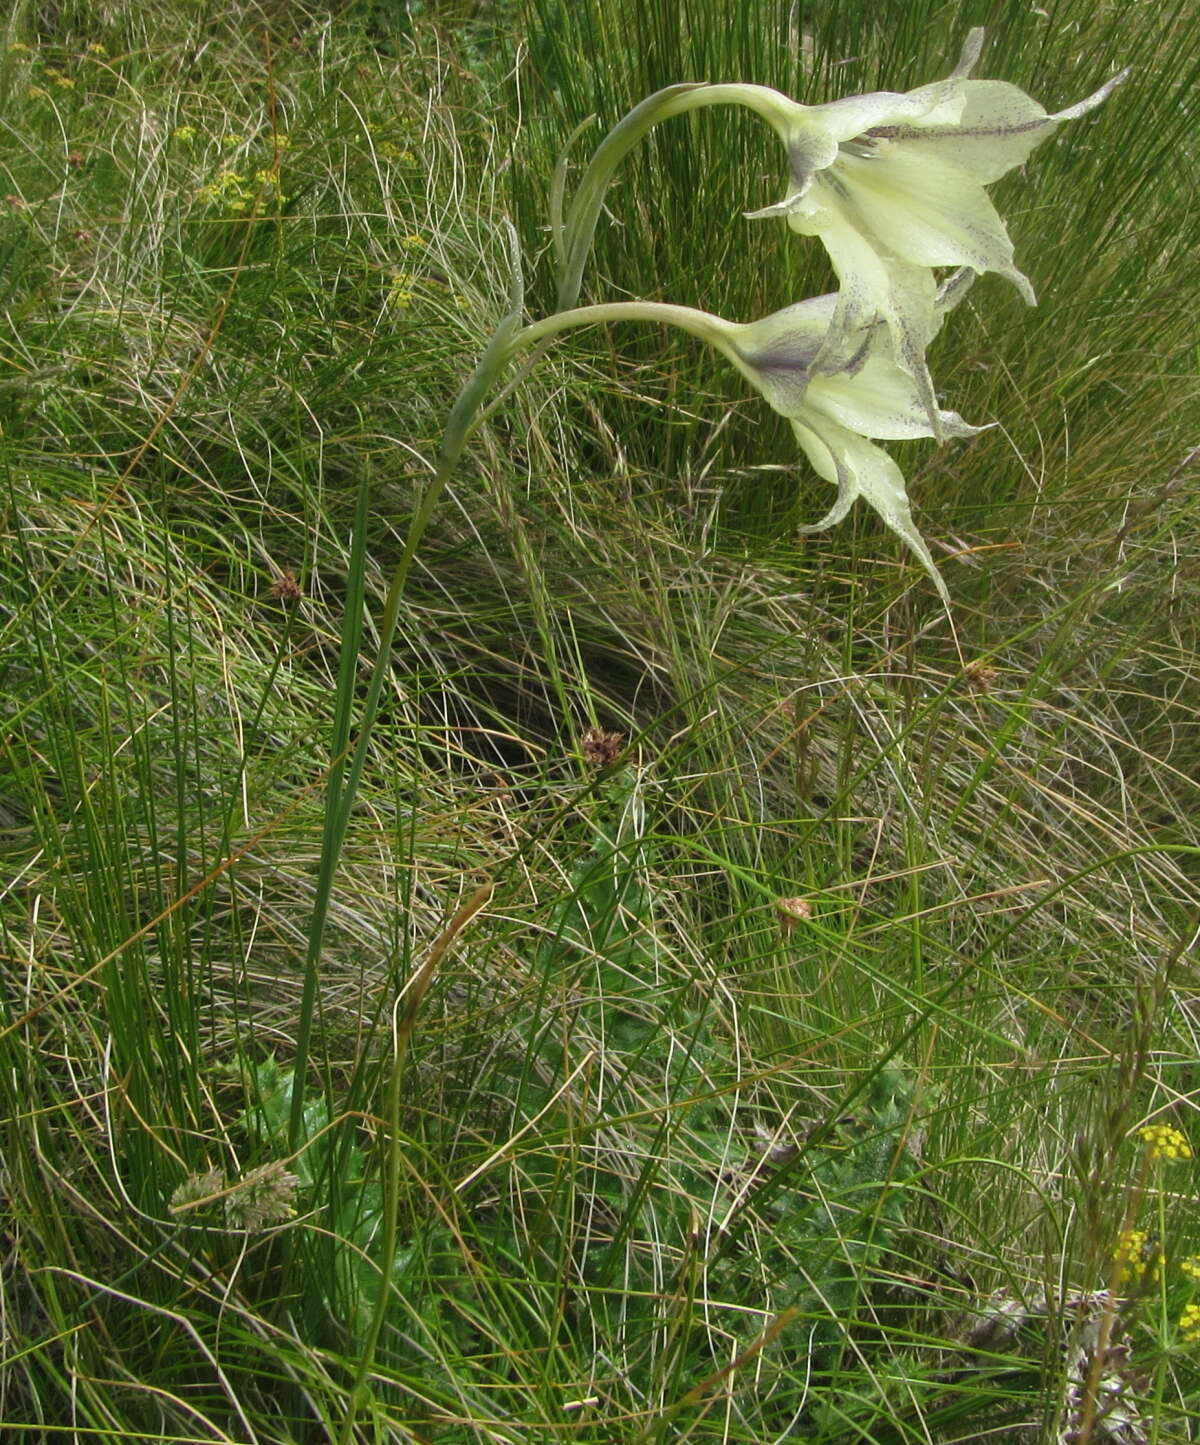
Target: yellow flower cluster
<point>1164,1142</point>
<point>1191,1267</point>
<point>184,134</point>
<point>228,188</point>
<point>400,293</point>
<point>389,151</point>
<point>1138,1258</point>
<point>1189,1323</point>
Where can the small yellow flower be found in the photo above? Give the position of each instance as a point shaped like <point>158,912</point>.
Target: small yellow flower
<point>282,142</point>
<point>1191,1267</point>
<point>1164,1142</point>
<point>1189,1323</point>
<point>35,92</point>
<point>400,294</point>
<point>95,48</point>
<point>412,242</point>
<point>1138,1258</point>
<point>64,82</point>
<point>50,72</point>
<point>18,47</point>
<point>184,133</point>
<point>233,140</point>
<point>267,178</point>
<point>389,151</point>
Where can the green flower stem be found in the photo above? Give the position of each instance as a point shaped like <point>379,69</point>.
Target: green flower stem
<point>402,1030</point>
<point>616,145</point>
<point>344,785</point>
<point>699,323</point>
<point>507,341</point>
<point>540,333</point>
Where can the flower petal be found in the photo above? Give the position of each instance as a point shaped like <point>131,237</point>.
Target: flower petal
<point>810,147</point>
<point>875,286</point>
<point>777,353</point>
<point>970,53</point>
<point>923,209</point>
<point>880,401</point>
<point>825,461</point>
<point>938,104</point>
<point>999,127</point>
<point>862,469</point>
<point>1097,97</point>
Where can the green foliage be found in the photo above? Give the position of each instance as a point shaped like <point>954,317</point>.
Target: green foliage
<point>642,1114</point>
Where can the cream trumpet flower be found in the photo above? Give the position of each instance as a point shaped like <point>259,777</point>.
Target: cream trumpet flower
<point>832,413</point>
<point>893,185</point>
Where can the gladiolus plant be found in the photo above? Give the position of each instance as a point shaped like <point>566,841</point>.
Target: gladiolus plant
<point>893,186</point>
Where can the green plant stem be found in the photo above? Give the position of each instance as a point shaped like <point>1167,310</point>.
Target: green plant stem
<point>342,789</point>
<point>616,145</point>
<point>688,318</point>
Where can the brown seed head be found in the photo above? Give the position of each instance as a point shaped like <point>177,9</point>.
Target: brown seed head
<point>791,911</point>
<point>286,589</point>
<point>979,677</point>
<point>600,748</point>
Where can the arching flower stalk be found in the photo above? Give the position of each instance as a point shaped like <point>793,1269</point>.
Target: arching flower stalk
<point>834,415</point>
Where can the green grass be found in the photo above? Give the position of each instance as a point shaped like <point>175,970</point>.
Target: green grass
<point>657,1164</point>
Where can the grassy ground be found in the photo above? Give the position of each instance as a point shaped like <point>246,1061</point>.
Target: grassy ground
<point>654,1159</point>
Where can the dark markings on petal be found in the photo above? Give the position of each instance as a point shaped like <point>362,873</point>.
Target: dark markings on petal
<point>944,132</point>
